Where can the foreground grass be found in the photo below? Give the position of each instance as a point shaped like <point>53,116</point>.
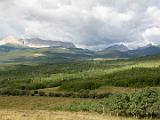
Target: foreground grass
<point>42,108</point>
<point>36,103</point>
<point>47,115</point>
<point>21,105</point>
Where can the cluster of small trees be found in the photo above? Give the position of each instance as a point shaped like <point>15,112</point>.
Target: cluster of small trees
<point>135,77</point>
<point>14,92</point>
<point>18,92</point>
<point>81,94</point>
<point>142,104</point>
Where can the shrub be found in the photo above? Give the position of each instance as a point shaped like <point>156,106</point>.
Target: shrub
<point>139,105</point>
<point>14,92</point>
<point>41,93</point>
<point>143,104</point>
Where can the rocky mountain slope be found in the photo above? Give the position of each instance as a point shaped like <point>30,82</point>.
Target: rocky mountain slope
<point>35,43</point>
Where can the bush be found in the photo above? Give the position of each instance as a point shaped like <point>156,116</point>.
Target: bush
<point>78,85</point>
<point>120,104</point>
<point>14,92</point>
<point>41,93</point>
<point>139,105</point>
<point>143,104</point>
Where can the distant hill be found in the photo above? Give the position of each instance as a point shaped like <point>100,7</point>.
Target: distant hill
<point>46,51</point>
<point>120,47</point>
<point>144,51</point>
<point>40,51</point>
<point>18,54</point>
<point>115,51</point>
<point>120,51</point>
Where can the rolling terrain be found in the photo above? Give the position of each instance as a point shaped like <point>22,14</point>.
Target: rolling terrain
<point>19,54</point>
<point>115,81</point>
<point>89,86</point>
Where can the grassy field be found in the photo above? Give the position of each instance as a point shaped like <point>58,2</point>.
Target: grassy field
<point>37,108</point>
<point>128,87</point>
<point>47,115</point>
<point>37,102</point>
<point>76,76</point>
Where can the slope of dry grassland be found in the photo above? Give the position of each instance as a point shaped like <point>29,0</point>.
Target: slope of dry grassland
<point>46,115</point>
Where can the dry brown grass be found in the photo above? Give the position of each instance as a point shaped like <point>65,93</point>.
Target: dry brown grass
<point>52,90</point>
<point>46,115</point>
<point>34,102</point>
<point>104,89</point>
<point>37,108</point>
<point>111,89</point>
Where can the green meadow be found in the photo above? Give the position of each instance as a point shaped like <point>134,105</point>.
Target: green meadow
<point>122,87</point>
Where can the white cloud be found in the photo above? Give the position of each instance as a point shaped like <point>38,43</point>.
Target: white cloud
<point>154,13</point>
<point>91,24</point>
<point>152,35</point>
<point>112,16</point>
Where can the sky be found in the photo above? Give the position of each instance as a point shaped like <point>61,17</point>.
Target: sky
<point>91,24</point>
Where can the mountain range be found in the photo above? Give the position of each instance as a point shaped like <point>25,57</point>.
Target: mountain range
<point>48,51</point>
<point>118,47</point>
<point>35,43</point>
<point>121,51</point>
